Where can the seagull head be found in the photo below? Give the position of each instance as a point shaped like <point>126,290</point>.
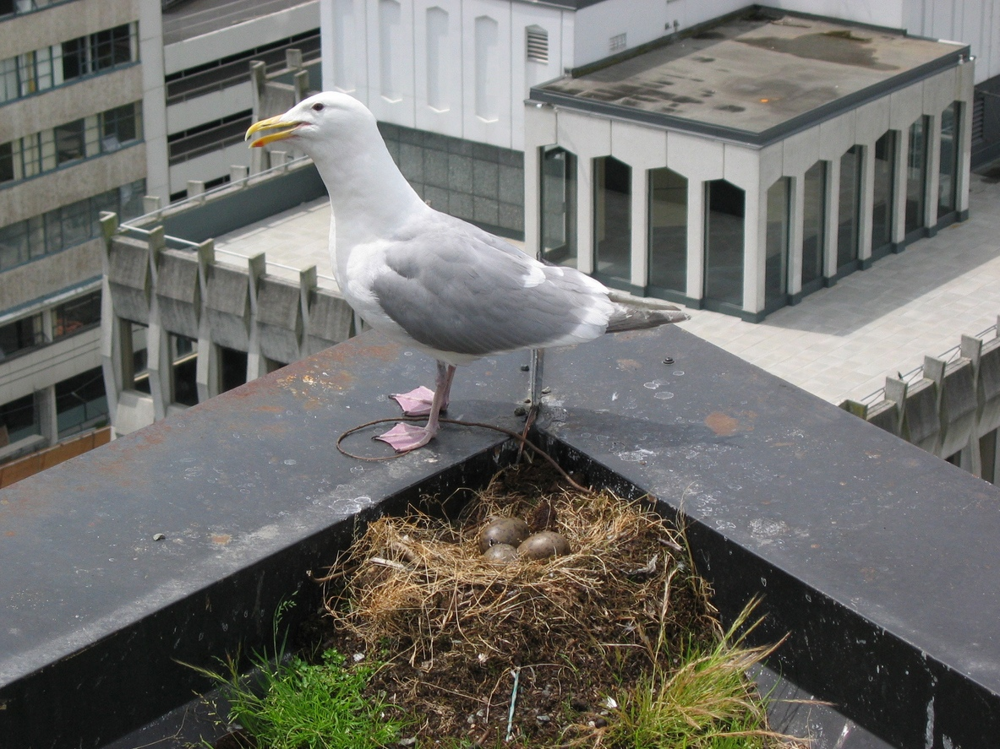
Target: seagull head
<point>309,120</point>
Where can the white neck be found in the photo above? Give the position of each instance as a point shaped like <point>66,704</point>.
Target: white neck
<point>369,196</point>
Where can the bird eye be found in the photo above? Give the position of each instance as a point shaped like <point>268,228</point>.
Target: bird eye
<point>317,107</point>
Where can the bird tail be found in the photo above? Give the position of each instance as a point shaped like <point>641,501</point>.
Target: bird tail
<point>635,313</point>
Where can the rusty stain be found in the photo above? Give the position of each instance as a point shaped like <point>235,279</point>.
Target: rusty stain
<point>10,533</point>
<point>721,424</point>
<point>628,365</point>
<point>221,538</point>
<point>271,409</point>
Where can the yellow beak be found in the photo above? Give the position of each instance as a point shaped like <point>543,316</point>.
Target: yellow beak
<point>284,129</point>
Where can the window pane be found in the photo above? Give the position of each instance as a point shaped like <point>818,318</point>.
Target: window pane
<point>74,58</point>
<point>916,174</point>
<point>559,207</point>
<point>724,242</point>
<point>76,315</point>
<point>76,223</point>
<point>8,79</point>
<point>20,335</point>
<point>232,368</point>
<point>813,223</point>
<point>31,155</point>
<point>776,271</point>
<point>6,162</point>
<point>850,194</point>
<point>53,231</point>
<point>19,419</point>
<point>121,44</point>
<point>13,245</point>
<point>130,197</point>
<point>106,201</point>
<point>948,170</point>
<point>136,357</point>
<point>668,204</point>
<point>885,168</point>
<point>69,141</point>
<point>184,370</point>
<point>613,218</point>
<point>81,402</point>
<point>118,126</point>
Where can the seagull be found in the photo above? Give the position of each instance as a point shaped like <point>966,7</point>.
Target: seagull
<point>431,281</point>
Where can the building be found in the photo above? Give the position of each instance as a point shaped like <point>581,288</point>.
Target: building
<point>78,110</point>
<point>746,164</point>
<point>208,48</point>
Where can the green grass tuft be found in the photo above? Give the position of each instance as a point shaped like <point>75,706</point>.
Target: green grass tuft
<point>293,704</point>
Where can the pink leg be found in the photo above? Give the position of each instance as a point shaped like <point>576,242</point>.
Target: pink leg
<point>418,401</point>
<point>406,437</point>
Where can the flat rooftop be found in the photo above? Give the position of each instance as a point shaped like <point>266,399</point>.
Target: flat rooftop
<point>838,343</point>
<point>755,75</point>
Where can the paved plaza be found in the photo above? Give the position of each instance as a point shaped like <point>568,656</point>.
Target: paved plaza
<point>838,343</point>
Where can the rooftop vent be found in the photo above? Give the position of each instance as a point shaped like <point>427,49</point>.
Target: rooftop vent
<point>538,44</point>
<point>617,43</point>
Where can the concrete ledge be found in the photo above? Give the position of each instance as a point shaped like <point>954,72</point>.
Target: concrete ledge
<point>876,557</point>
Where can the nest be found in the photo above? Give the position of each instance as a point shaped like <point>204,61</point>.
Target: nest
<point>418,588</point>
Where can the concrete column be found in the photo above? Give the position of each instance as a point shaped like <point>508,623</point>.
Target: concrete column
<point>965,94</point>
<point>754,251</point>
<point>831,225</point>
<point>932,191</point>
<point>696,239</point>
<point>539,131</point>
<point>866,202</point>
<point>796,209</point>
<point>899,178</point>
<point>256,365</point>
<point>45,402</point>
<point>640,227</point>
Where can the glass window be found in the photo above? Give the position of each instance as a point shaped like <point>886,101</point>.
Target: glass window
<point>6,162</point>
<point>724,242</point>
<point>81,402</point>
<point>776,269</point>
<point>136,370</point>
<point>69,141</point>
<point>13,245</point>
<point>559,206</point>
<point>20,335</point>
<point>118,126</point>
<point>130,199</point>
<point>106,201</point>
<point>948,166</point>
<point>31,155</point>
<point>885,169</point>
<point>613,218</point>
<point>76,315</point>
<point>848,234</point>
<point>184,370</point>
<point>18,420</point>
<point>813,223</point>
<point>668,206</point>
<point>232,368</point>
<point>9,88</point>
<point>76,223</point>
<point>916,174</point>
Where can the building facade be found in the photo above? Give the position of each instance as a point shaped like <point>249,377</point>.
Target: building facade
<point>77,106</point>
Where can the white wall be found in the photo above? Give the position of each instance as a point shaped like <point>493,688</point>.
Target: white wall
<point>455,67</point>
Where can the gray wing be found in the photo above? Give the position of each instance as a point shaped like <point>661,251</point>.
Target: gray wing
<point>456,288</point>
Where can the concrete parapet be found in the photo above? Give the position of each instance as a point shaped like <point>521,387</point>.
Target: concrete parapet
<point>183,291</point>
<point>956,401</point>
<point>953,410</point>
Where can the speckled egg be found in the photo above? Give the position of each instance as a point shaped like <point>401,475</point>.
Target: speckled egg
<point>543,545</point>
<point>500,554</point>
<point>511,531</point>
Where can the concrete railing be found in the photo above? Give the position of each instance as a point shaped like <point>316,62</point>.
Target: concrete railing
<point>950,406</point>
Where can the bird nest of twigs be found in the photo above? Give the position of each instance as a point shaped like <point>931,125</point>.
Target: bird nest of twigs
<point>531,652</point>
